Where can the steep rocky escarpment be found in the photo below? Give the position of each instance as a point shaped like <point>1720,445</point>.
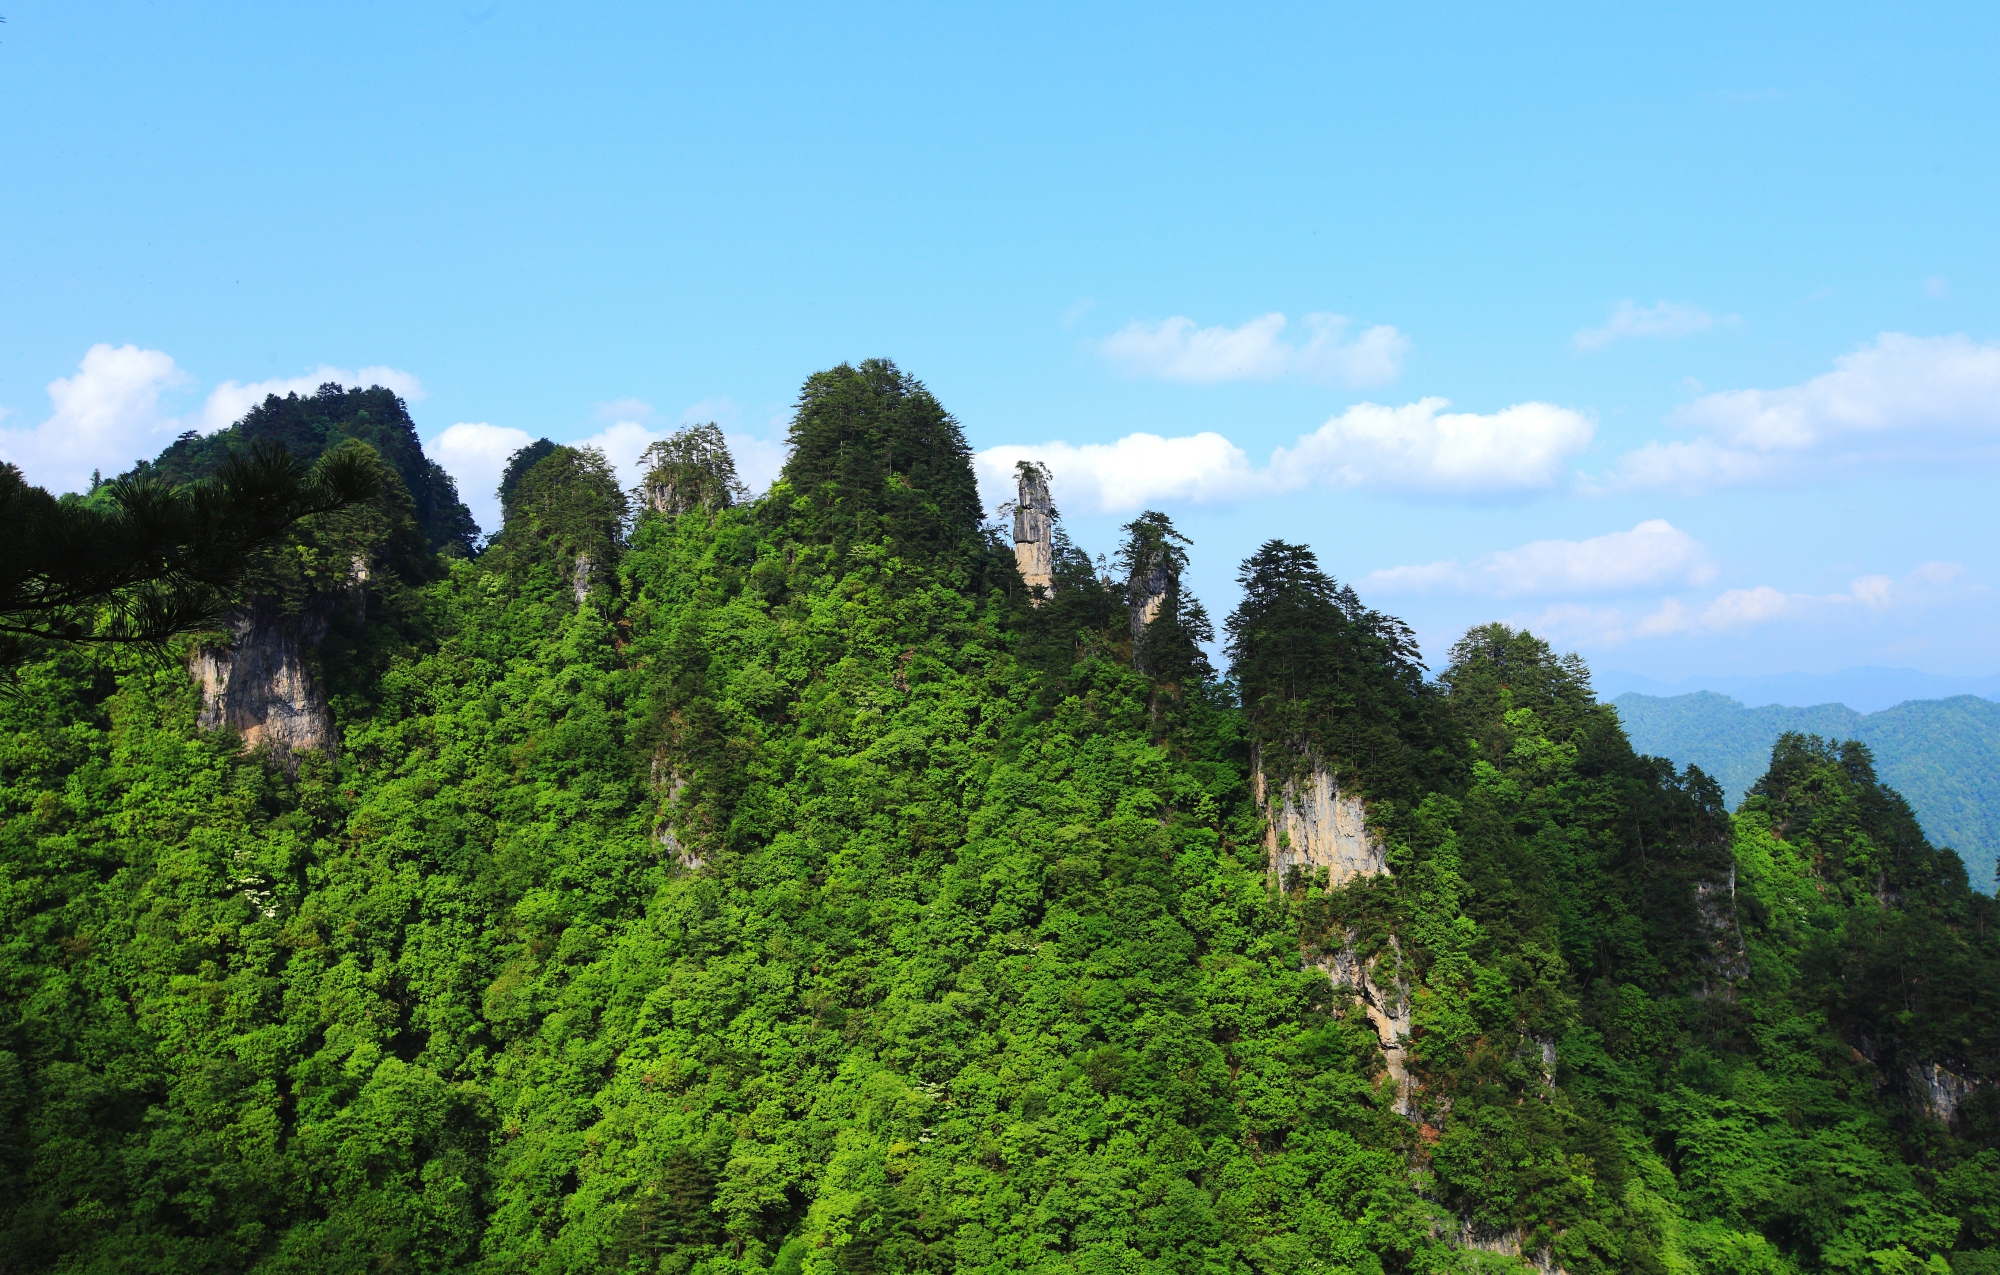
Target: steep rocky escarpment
<point>259,680</point>
<point>1313,828</point>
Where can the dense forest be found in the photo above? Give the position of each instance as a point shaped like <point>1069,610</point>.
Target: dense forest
<point>685,882</point>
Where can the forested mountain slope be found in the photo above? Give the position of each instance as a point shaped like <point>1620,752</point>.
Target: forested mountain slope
<point>1943,755</point>
<point>776,886</point>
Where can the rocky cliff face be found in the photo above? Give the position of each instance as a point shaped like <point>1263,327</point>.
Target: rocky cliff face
<point>1147,590</point>
<point>1313,826</point>
<point>1939,1092</point>
<point>258,681</point>
<point>1384,994</point>
<point>1034,531</point>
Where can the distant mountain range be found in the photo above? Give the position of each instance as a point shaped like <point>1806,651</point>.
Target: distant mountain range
<point>1943,755</point>
<point>1866,690</point>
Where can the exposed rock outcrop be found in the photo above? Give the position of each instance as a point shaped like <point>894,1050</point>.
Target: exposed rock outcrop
<point>671,784</point>
<point>1147,591</point>
<point>1034,531</point>
<point>258,681</point>
<point>1313,825</point>
<point>1508,1244</point>
<point>1384,996</point>
<point>1938,1092</point>
<point>1728,960</point>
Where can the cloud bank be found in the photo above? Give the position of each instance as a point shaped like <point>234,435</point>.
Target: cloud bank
<point>1177,350</point>
<point>1736,609</point>
<point>109,414</point>
<point>1898,400</point>
<point>1652,554</point>
<point>475,454</point>
<point>1418,448</point>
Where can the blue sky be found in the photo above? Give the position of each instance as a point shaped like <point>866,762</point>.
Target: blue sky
<point>1709,295</point>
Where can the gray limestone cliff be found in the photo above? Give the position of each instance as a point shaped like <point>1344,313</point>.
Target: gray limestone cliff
<point>1147,592</point>
<point>258,680</point>
<point>1318,836</point>
<point>1313,826</point>
<point>1034,530</point>
<point>1383,993</point>
<point>1939,1092</point>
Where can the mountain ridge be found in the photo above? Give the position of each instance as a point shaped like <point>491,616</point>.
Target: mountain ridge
<point>1943,755</point>
<point>1866,688</point>
<point>782,886</point>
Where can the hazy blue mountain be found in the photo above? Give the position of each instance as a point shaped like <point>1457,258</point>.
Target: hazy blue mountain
<point>1941,754</point>
<point>1866,690</point>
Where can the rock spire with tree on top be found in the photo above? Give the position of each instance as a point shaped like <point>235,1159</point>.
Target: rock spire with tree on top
<point>1034,529</point>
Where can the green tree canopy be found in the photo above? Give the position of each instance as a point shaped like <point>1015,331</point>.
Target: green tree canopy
<point>1322,676</point>
<point>875,457</point>
<point>163,558</point>
<point>567,511</point>
<point>309,426</point>
<point>691,469</point>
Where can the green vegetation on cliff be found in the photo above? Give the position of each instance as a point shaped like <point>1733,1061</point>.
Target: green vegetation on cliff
<point>787,893</point>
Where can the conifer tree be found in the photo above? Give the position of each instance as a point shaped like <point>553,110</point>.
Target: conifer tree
<point>567,510</point>
<point>165,558</point>
<point>877,458</point>
<point>691,469</point>
<point>308,426</point>
<point>1325,680</point>
<point>1168,624</point>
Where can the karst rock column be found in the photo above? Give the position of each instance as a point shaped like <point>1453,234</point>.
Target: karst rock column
<point>1034,532</point>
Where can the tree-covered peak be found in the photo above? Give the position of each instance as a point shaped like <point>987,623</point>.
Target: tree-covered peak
<point>1824,796</point>
<point>310,425</point>
<point>1328,681</point>
<point>781,894</point>
<point>564,511</point>
<point>875,457</point>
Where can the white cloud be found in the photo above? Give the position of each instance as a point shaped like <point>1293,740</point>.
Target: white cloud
<point>1176,350</point>
<point>1740,608</point>
<point>1417,447</point>
<point>1683,466</point>
<point>1626,321</point>
<point>1137,470</point>
<point>1898,400</point>
<point>475,455</point>
<point>1736,609</point>
<point>104,417</point>
<point>758,460</point>
<point>1938,573</point>
<point>1921,388</point>
<point>1420,447</point>
<point>1651,554</point>
<point>1873,592</point>
<point>109,414</point>
<point>1609,626</point>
